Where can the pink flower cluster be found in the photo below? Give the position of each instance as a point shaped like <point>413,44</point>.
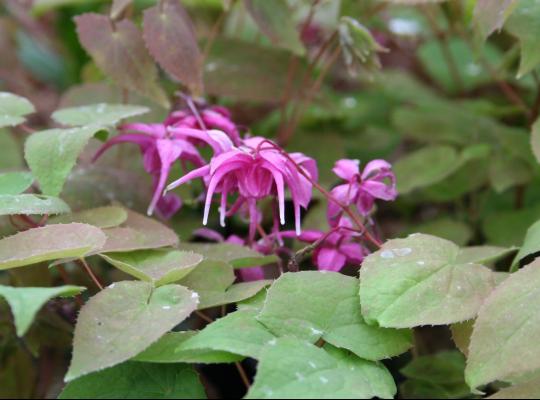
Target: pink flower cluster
<point>244,171</point>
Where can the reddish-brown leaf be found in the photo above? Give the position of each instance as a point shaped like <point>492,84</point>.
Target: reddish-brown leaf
<point>170,37</point>
<point>120,52</point>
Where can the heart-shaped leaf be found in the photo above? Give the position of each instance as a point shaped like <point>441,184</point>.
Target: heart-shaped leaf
<point>102,217</point>
<point>49,243</point>
<point>102,114</point>
<point>312,305</point>
<point>31,204</point>
<point>13,108</point>
<point>419,281</point>
<point>25,302</point>
<point>13,183</point>
<point>157,266</point>
<point>123,320</point>
<point>52,154</point>
<point>291,368</point>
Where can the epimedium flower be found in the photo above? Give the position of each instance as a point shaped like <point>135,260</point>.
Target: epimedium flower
<point>161,146</point>
<point>376,181</point>
<point>334,250</point>
<point>255,170</point>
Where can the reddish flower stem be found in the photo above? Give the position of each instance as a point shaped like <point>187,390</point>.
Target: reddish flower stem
<point>89,271</point>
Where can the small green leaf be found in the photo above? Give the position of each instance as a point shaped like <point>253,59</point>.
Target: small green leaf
<point>25,302</point>
<point>236,255</point>
<point>423,284</point>
<point>507,171</point>
<point>49,243</point>
<point>160,267</point>
<point>31,204</point>
<point>237,333</point>
<point>13,183</point>
<point>313,305</point>
<point>102,217</point>
<point>123,320</point>
<point>138,380</point>
<point>461,335</point>
<point>445,368</point>
<point>509,227</point>
<point>412,172</point>
<point>52,154</point>
<point>13,108</point>
<point>274,19</point>
<point>291,368</point>
<point>504,341</point>
<point>531,244</point>
<point>490,16</point>
<point>102,114</point>
<point>138,233</point>
<point>170,349</point>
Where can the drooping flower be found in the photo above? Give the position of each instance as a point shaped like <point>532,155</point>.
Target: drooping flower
<point>161,146</point>
<point>377,181</point>
<point>256,170</point>
<point>335,250</point>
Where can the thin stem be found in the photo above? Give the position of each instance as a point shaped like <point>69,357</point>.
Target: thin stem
<point>204,317</point>
<point>213,35</point>
<point>89,271</point>
<point>243,375</point>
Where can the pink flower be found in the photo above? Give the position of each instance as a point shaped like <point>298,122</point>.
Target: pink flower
<point>377,181</point>
<point>335,250</point>
<point>161,147</point>
<point>215,117</point>
<point>255,170</point>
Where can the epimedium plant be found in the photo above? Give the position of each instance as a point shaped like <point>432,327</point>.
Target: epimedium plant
<point>288,276</point>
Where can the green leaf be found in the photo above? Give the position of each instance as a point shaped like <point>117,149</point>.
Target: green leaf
<point>483,254</point>
<point>423,284</point>
<point>444,368</point>
<point>535,139</point>
<point>13,108</point>
<point>490,16</point>
<point>293,369</point>
<point>121,54</point>
<point>506,172</point>
<point>170,349</point>
<point>411,171</point>
<point>49,243</point>
<point>138,233</point>
<point>274,19</point>
<point>31,204</point>
<point>213,280</point>
<point>447,228</point>
<point>237,256</point>
<point>138,380</point>
<point>531,244</point>
<point>160,267</point>
<point>25,302</point>
<point>237,333</point>
<point>461,335</point>
<point>523,24</point>
<point>503,343</point>
<point>508,228</point>
<point>123,320</point>
<point>13,183</point>
<point>527,390</point>
<point>102,114</point>
<point>169,23</point>
<point>52,154</point>
<point>102,217</point>
<point>12,158</point>
<point>312,305</point>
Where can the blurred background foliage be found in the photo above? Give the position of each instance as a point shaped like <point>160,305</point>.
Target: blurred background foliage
<point>447,91</point>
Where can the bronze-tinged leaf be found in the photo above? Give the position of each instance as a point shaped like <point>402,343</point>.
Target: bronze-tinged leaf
<point>118,50</point>
<point>170,37</point>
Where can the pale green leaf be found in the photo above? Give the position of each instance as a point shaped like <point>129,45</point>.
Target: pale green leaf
<point>489,16</point>
<point>535,139</point>
<point>49,243</point>
<point>138,380</point>
<point>13,183</point>
<point>13,108</point>
<point>504,341</point>
<point>506,172</point>
<point>170,349</point>
<point>102,217</point>
<point>526,390</point>
<point>291,368</point>
<point>12,158</point>
<point>446,228</point>
<point>235,293</point>
<point>446,367</point>
<point>531,244</point>
<point>313,305</point>
<point>418,281</point>
<point>483,254</point>
<point>52,154</point>
<point>236,255</point>
<point>123,320</point>
<point>25,302</point>
<point>237,333</point>
<point>159,267</point>
<point>102,114</point>
<point>31,204</point>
